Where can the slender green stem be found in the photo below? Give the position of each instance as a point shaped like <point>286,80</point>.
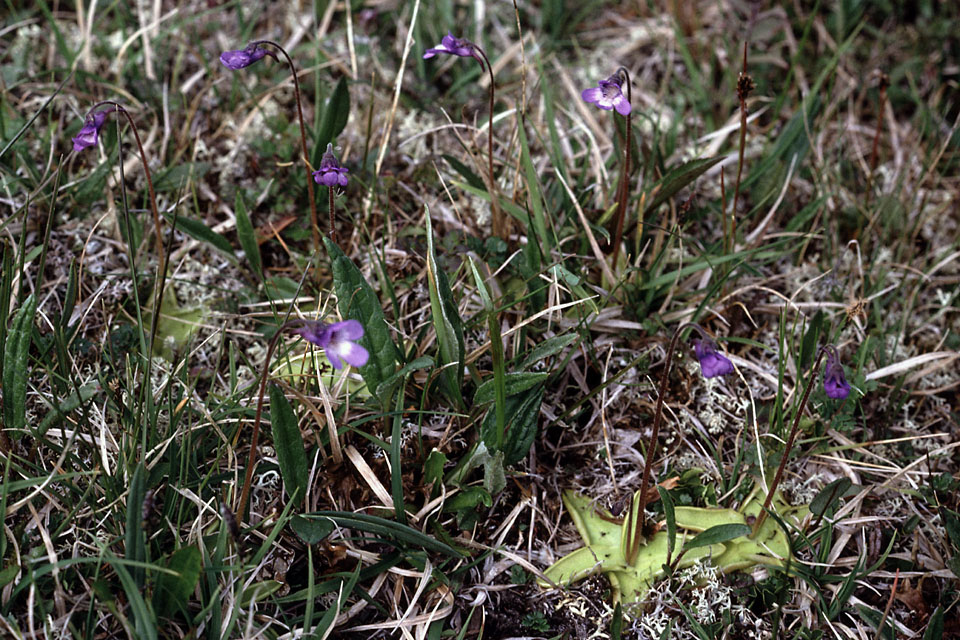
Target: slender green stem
<point>303,145</point>
<point>145,399</point>
<point>252,457</point>
<point>499,375</point>
<point>723,212</point>
<point>794,430</point>
<point>624,187</point>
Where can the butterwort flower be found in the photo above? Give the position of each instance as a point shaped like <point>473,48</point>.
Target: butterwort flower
<point>712,362</point>
<point>453,46</point>
<point>608,95</point>
<point>330,172</point>
<point>834,382</point>
<point>90,131</point>
<point>337,341</point>
<point>245,57</point>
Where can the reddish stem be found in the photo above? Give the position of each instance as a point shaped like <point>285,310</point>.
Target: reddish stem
<point>742,93</point>
<point>303,145</point>
<point>876,136</point>
<point>634,542</point>
<point>794,430</point>
<point>118,108</point>
<point>252,457</point>
<point>499,229</point>
<point>624,189</point>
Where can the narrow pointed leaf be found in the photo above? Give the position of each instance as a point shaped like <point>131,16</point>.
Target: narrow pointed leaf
<point>514,383</point>
<point>677,179</point>
<point>335,116</point>
<point>357,300</point>
<point>668,512</point>
<point>717,535</point>
<point>16,350</point>
<point>935,625</point>
<point>134,549</point>
<point>246,236</point>
<point>446,323</point>
<point>199,231</point>
<point>289,444</point>
<point>522,417</point>
<point>172,592</point>
<point>829,495</point>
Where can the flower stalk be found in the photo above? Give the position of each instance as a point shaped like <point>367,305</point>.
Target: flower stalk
<point>452,45</point>
<point>88,137</point>
<point>836,387</point>
<point>337,341</point>
<point>712,363</point>
<point>244,57</point>
<point>745,85</point>
<point>624,191</point>
<point>609,95</point>
<point>330,174</point>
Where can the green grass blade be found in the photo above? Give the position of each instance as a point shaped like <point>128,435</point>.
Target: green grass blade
<point>199,231</point>
<point>36,115</point>
<point>386,528</point>
<point>143,618</point>
<point>935,625</point>
<point>677,179</point>
<point>134,549</point>
<point>514,383</point>
<point>396,461</point>
<point>671,517</point>
<point>496,348</point>
<point>533,188</point>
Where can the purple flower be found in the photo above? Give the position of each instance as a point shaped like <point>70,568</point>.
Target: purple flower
<point>90,131</point>
<point>337,341</point>
<point>834,383</point>
<point>330,172</point>
<point>608,95</point>
<point>244,57</point>
<point>712,362</point>
<point>454,46</point>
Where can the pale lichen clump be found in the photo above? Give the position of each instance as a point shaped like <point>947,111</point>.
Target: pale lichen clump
<point>706,597</point>
<point>892,507</point>
<point>714,410</point>
<point>801,489</point>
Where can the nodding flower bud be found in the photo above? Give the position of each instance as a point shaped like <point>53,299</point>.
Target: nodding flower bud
<point>834,382</point>
<point>336,340</point>
<point>240,58</point>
